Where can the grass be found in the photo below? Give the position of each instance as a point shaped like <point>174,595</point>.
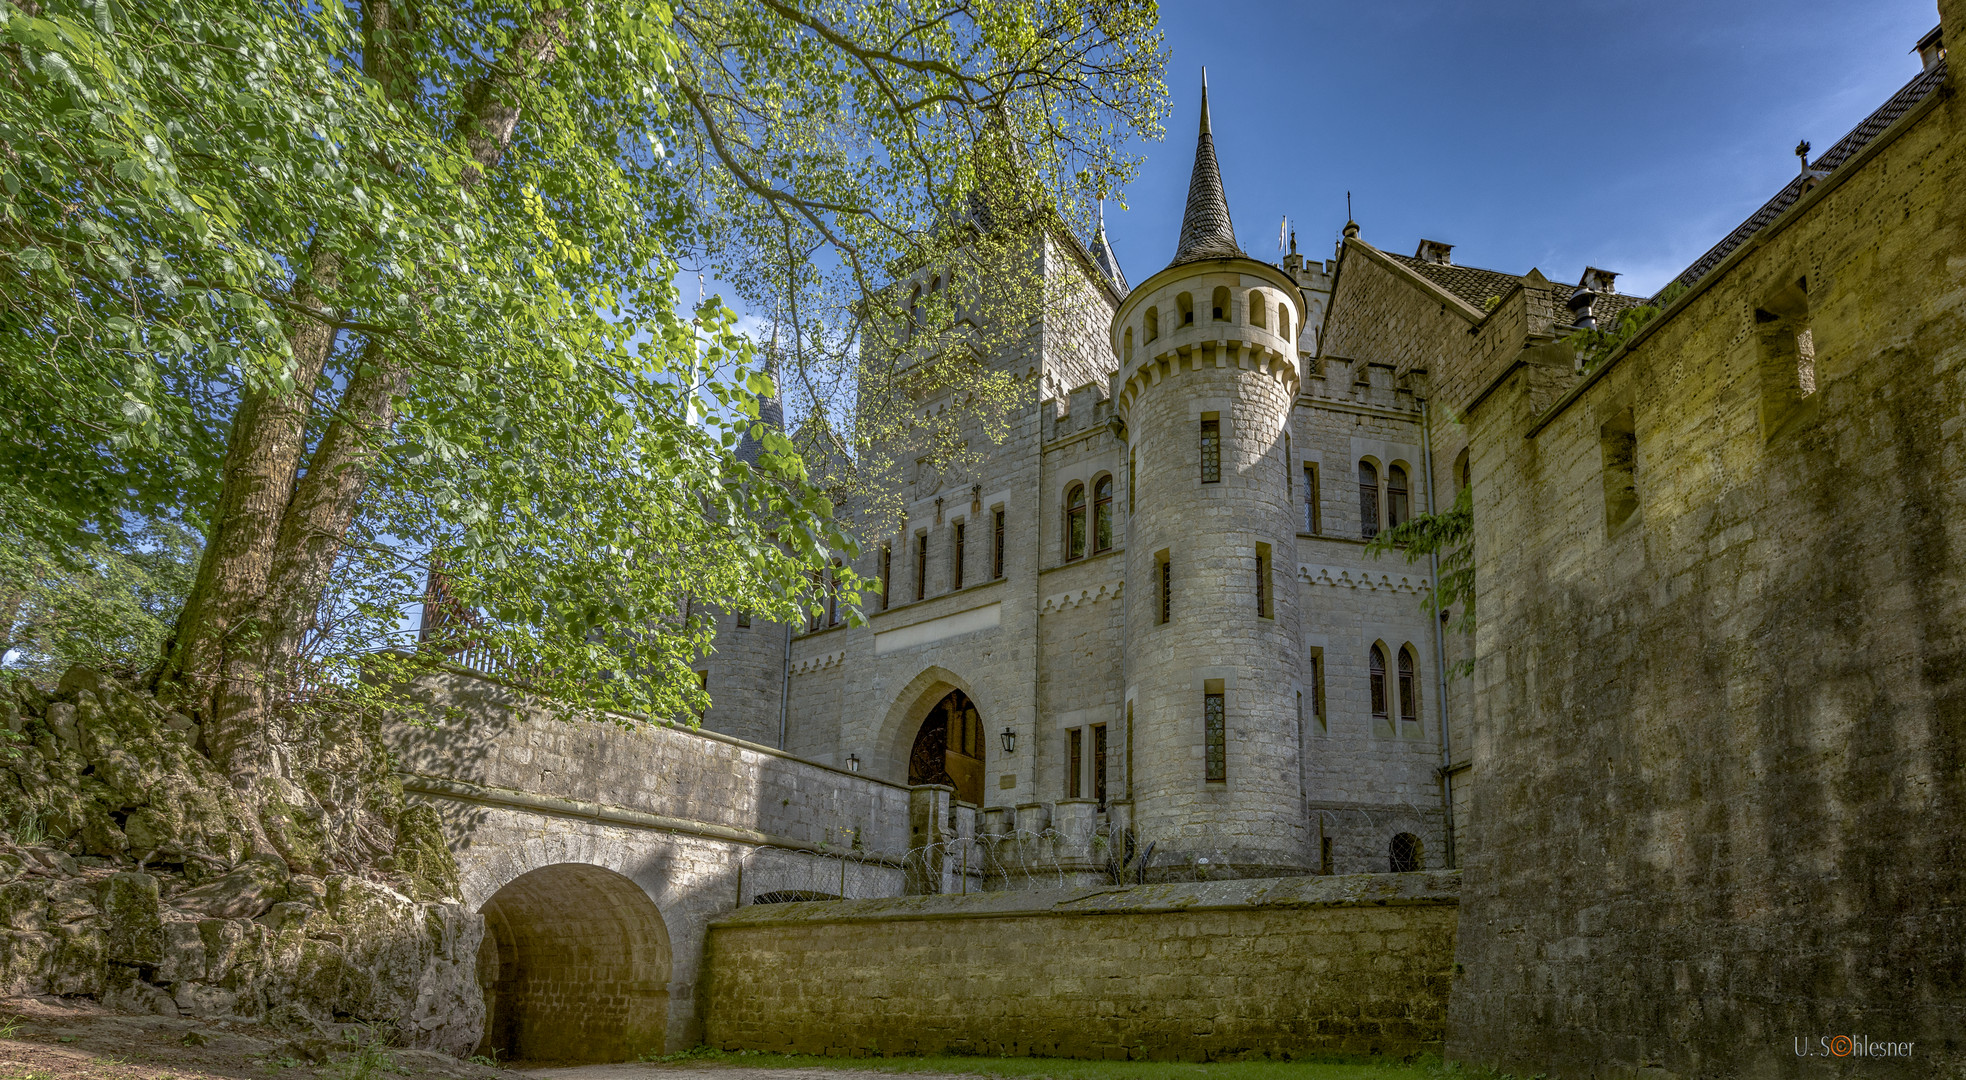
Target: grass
<point>1322,1067</point>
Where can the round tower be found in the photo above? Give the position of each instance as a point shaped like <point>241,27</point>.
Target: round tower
<point>1208,374</point>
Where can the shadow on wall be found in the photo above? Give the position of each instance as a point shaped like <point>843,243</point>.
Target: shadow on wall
<point>575,966</point>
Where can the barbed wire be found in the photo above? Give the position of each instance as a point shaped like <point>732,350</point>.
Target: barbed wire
<point>1071,855</point>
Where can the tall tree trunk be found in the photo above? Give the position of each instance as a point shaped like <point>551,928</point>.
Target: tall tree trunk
<point>262,456</point>
<point>312,532</point>
<point>274,541</point>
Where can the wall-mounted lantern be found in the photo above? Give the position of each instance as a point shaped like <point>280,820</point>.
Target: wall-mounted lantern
<point>1009,738</point>
<point>853,763</point>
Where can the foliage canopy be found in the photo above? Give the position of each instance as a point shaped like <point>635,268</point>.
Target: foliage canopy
<point>372,285</point>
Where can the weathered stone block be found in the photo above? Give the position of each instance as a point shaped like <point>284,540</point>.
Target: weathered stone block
<point>130,916</point>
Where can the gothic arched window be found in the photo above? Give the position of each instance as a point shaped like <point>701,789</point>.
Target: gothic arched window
<point>1075,521</point>
<point>1397,503</point>
<point>1409,686</point>
<point>1102,514</point>
<point>1377,664</point>
<point>1368,499</point>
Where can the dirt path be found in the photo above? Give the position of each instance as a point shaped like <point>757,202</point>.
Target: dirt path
<point>53,1039</point>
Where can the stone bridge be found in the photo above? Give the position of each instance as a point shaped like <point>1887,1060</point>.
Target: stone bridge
<point>599,852</point>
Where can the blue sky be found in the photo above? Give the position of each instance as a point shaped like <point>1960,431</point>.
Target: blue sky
<point>1625,135</point>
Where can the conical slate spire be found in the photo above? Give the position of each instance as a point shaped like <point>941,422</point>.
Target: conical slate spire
<point>1206,232</point>
<point>771,410</point>
<point>1102,253</point>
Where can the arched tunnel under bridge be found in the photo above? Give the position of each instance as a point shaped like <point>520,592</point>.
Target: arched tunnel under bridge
<point>575,967</point>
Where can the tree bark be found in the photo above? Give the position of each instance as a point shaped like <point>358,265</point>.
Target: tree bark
<point>312,531</point>
<point>262,457</point>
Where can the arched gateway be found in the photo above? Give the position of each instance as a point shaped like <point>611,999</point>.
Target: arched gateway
<point>575,965</point>
<point>948,748</point>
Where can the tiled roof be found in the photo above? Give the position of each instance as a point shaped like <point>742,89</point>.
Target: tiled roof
<point>1477,286</point>
<point>1206,232</point>
<point>1846,148</point>
<point>1470,283</point>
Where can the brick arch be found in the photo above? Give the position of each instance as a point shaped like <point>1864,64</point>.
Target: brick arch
<point>575,966</point>
<point>905,715</point>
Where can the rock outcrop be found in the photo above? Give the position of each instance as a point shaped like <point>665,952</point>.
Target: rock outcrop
<point>132,872</point>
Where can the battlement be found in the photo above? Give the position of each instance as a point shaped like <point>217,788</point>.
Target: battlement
<point>1082,408</point>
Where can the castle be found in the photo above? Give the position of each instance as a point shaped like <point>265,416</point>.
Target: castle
<point>1699,798</point>
<point>1149,611</point>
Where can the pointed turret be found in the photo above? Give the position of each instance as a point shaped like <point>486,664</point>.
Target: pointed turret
<point>771,411</point>
<point>1206,232</point>
<point>1102,253</point>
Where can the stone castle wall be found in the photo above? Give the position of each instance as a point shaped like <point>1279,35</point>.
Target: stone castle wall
<point>1721,736</point>
<point>1194,971</point>
<point>746,679</point>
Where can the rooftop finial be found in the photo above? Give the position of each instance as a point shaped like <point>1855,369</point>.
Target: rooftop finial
<point>1204,103</point>
<point>1206,232</point>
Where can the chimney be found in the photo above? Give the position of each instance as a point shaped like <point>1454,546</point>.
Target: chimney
<point>1932,48</point>
<point>1583,298</point>
<point>1599,281</point>
<point>1433,251</point>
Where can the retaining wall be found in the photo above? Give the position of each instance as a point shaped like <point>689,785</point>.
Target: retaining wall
<point>1189,971</point>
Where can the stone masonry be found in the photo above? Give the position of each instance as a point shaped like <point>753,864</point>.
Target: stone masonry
<point>1719,681</point>
<point>1190,971</point>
